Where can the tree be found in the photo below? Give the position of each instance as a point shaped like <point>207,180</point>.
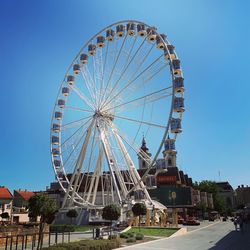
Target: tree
<point>202,207</point>
<point>72,213</point>
<point>206,186</point>
<point>211,187</point>
<point>219,204</point>
<point>138,210</point>
<point>111,212</point>
<point>41,205</point>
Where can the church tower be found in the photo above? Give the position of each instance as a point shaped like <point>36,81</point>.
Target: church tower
<point>169,152</point>
<point>142,163</point>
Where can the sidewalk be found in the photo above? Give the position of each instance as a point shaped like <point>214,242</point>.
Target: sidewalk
<point>215,236</point>
<point>235,240</point>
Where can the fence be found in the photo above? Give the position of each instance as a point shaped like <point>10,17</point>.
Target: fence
<point>29,241</point>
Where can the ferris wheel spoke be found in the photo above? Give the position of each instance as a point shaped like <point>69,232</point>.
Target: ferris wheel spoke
<point>127,58</point>
<point>124,70</point>
<point>144,81</point>
<point>141,122</point>
<point>88,81</point>
<point>78,109</point>
<point>83,97</point>
<point>97,73</point>
<point>149,98</point>
<point>101,74</point>
<point>131,81</point>
<point>81,127</point>
<point>72,147</point>
<point>74,123</point>
<point>115,64</point>
<point>132,144</point>
<point>104,71</point>
<point>141,60</point>
<point>129,54</point>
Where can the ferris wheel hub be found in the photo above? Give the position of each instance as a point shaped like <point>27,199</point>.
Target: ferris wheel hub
<point>103,115</point>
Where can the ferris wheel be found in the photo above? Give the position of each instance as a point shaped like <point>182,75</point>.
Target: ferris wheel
<point>125,82</point>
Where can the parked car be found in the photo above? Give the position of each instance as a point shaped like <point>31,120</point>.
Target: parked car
<point>180,220</point>
<point>224,218</point>
<point>211,218</point>
<point>192,222</point>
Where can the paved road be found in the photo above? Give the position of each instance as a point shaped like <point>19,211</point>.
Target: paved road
<point>210,236</point>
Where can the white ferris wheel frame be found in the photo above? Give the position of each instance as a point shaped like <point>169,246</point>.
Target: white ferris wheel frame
<point>71,191</point>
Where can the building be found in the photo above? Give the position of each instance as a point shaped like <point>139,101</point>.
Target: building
<point>6,200</point>
<point>226,191</point>
<point>20,203</point>
<point>143,150</point>
<point>243,195</point>
<point>21,198</point>
<point>56,193</point>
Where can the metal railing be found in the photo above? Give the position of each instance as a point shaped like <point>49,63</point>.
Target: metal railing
<point>30,241</point>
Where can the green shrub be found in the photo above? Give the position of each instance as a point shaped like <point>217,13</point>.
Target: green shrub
<point>112,237</point>
<point>139,236</point>
<point>131,234</point>
<point>87,245</point>
<point>124,235</point>
<point>131,240</point>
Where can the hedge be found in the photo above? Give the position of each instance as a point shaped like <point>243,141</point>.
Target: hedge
<point>131,240</point>
<point>87,245</point>
<point>139,236</point>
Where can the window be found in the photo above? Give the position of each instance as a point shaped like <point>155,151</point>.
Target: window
<point>169,162</point>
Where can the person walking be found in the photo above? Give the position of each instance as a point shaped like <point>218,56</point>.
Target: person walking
<point>235,221</point>
<point>240,222</point>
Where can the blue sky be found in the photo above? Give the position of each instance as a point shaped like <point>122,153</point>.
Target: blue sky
<point>39,39</point>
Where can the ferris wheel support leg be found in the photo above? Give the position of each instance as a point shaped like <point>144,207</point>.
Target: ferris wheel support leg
<point>77,170</point>
<point>103,201</point>
<point>96,173</point>
<point>131,166</point>
<point>118,174</point>
<point>95,188</point>
<point>109,157</point>
<point>126,156</point>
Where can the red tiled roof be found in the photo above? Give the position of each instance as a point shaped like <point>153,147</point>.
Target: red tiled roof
<point>25,194</point>
<point>5,193</point>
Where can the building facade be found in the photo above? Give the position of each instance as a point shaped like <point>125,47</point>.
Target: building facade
<point>243,195</point>
<point>6,201</point>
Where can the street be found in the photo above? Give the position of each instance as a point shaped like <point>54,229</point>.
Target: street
<point>208,236</point>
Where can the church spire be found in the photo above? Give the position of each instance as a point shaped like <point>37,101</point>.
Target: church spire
<point>144,145</point>
<point>142,162</point>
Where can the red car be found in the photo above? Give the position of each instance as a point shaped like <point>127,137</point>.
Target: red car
<point>180,220</point>
<point>191,221</point>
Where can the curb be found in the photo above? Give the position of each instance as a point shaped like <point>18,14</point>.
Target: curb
<point>180,232</point>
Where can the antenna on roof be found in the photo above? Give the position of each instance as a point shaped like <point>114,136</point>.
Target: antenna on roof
<point>219,176</point>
